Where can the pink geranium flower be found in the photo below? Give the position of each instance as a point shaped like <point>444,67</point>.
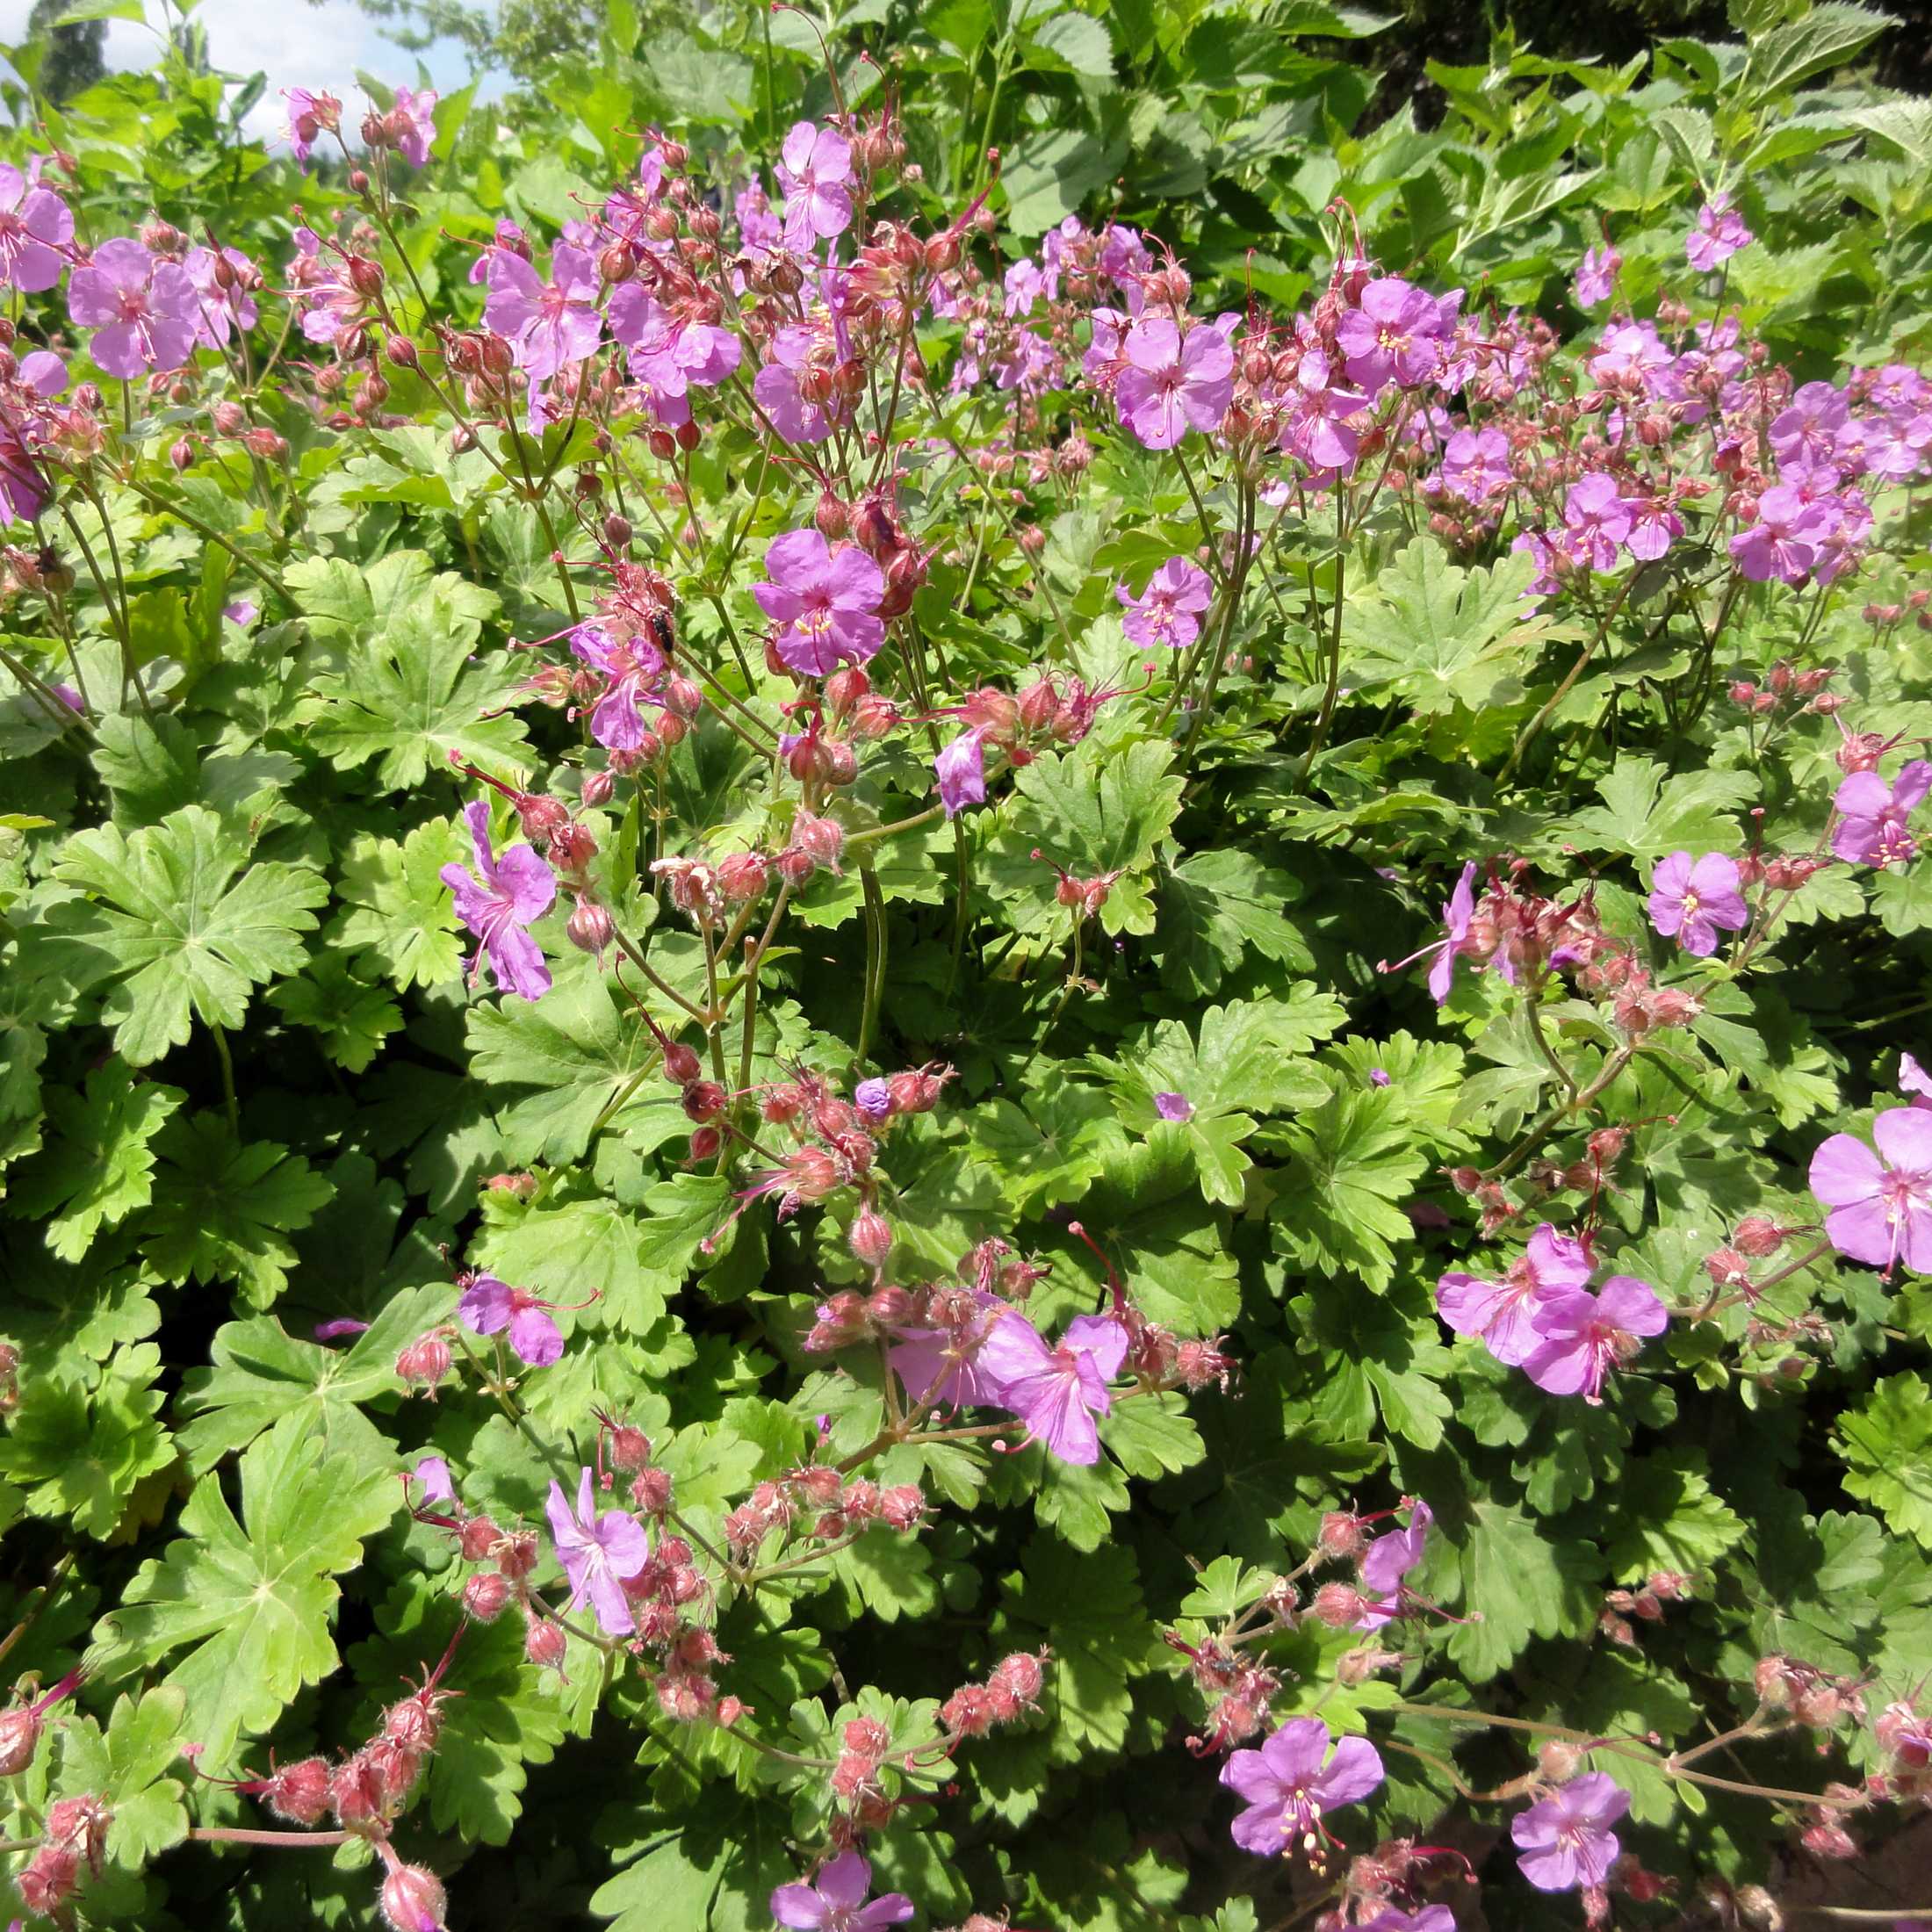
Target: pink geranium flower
<point>815,172</point>
<point>414,121</point>
<point>1880,1203</point>
<point>836,1901</point>
<point>35,226</point>
<point>1169,610</point>
<point>632,667</point>
<point>1783,541</point>
<point>1171,383</point>
<point>822,604</point>
<point>598,1553</point>
<point>308,116</point>
<point>1292,1781</point>
<point>1502,1312</point>
<point>1564,1840</point>
<point>489,1307</point>
<point>1597,518</point>
<point>548,325</point>
<point>1691,900</point>
<point>1457,916</point>
<point>497,902</point>
<point>1596,276</point>
<point>143,310</point>
<point>1873,828</point>
<point>1720,233</point>
<point>1395,336</point>
<point>961,770</point>
<point>1057,1392</point>
<point>1387,1561</point>
<point>1585,1335</point>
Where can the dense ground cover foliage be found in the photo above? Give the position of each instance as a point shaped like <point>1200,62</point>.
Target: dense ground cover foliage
<point>725,1202</point>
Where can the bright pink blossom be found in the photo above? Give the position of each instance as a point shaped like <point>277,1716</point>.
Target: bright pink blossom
<point>1565,1841</point>
<point>835,1901</point>
<point>1586,1335</point>
<point>489,1307</point>
<point>36,226</point>
<point>823,604</point>
<point>1169,611</point>
<point>1691,900</point>
<point>1596,276</point>
<point>597,1552</point>
<point>548,325</point>
<point>1292,1781</point>
<point>1873,825</point>
<point>1880,1203</point>
<point>1056,1391</point>
<point>1502,1312</point>
<point>497,902</point>
<point>1172,383</point>
<point>1720,233</point>
<point>815,172</point>
<point>143,310</point>
<point>1394,336</point>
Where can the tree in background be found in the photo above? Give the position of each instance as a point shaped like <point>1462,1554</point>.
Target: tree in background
<point>77,55</point>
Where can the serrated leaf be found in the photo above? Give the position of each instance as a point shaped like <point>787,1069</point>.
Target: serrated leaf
<point>124,1766</point>
<point>223,1211</point>
<point>259,1373</point>
<point>399,919</point>
<point>1648,815</point>
<point>1443,636</point>
<point>1668,1520</point>
<point>1093,811</point>
<point>249,1600</point>
<point>1217,906</point>
<point>352,1018</point>
<point>77,1456</point>
<point>99,1168</point>
<point>411,694</point>
<point>1886,1443</point>
<point>1522,1584</point>
<point>566,1063</point>
<point>179,927</point>
<point>1352,1163</point>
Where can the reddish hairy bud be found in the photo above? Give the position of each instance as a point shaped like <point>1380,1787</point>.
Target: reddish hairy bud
<point>871,1237</point>
<point>298,1792</point>
<point>544,1643</point>
<point>425,1361</point>
<point>486,1597</point>
<point>413,1900</point>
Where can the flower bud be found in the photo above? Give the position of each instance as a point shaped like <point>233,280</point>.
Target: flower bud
<point>704,1101</point>
<point>590,927</point>
<point>486,1597</point>
<point>544,1643</point>
<point>681,1064</point>
<point>181,453</point>
<point>871,1237</point>
<point>821,839</point>
<point>743,877</point>
<point>402,351</point>
<point>19,1736</point>
<point>705,1144</point>
<point>1338,1605</point>
<point>1758,1235</point>
<point>413,1900</point>
<point>298,1792</point>
<point>597,787</point>
<point>425,1361</point>
<point>1558,1761</point>
<point>831,518</point>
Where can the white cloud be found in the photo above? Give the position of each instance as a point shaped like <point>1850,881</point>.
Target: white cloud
<point>295,44</point>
